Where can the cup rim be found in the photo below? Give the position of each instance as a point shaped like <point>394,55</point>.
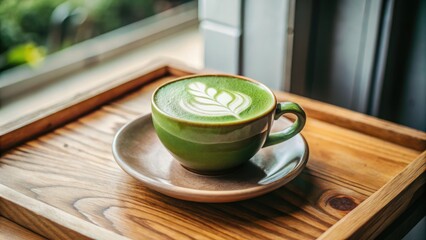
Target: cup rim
<point>237,122</point>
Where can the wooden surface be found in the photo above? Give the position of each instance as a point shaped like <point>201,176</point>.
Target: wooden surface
<point>65,184</point>
<point>367,220</point>
<point>12,231</point>
<point>359,122</point>
<point>60,113</point>
<point>406,221</point>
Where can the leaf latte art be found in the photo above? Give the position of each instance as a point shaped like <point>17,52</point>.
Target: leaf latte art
<point>207,101</point>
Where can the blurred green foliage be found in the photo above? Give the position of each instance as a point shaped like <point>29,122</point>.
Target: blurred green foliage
<point>25,25</point>
<point>26,53</point>
<point>18,23</point>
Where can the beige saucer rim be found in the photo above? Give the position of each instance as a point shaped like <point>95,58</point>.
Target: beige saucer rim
<point>203,195</point>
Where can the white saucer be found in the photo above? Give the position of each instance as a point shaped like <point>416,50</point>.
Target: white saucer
<point>139,152</point>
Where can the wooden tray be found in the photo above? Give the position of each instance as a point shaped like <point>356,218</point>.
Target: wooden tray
<point>10,230</point>
<point>362,174</point>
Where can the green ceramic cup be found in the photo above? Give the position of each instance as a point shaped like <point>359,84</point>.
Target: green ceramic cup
<point>216,147</point>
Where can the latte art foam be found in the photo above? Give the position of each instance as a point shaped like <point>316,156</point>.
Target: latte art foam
<point>214,99</point>
<point>213,103</point>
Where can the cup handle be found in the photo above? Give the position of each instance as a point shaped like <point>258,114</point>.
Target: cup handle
<point>295,128</point>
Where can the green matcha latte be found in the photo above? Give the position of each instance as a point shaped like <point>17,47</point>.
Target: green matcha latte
<point>213,123</point>
<point>214,99</point>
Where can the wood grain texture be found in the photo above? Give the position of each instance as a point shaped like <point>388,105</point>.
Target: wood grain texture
<point>47,220</point>
<point>367,221</point>
<point>12,231</point>
<point>65,184</point>
<point>359,122</point>
<point>406,221</point>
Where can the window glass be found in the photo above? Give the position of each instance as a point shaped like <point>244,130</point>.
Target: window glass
<point>32,29</point>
